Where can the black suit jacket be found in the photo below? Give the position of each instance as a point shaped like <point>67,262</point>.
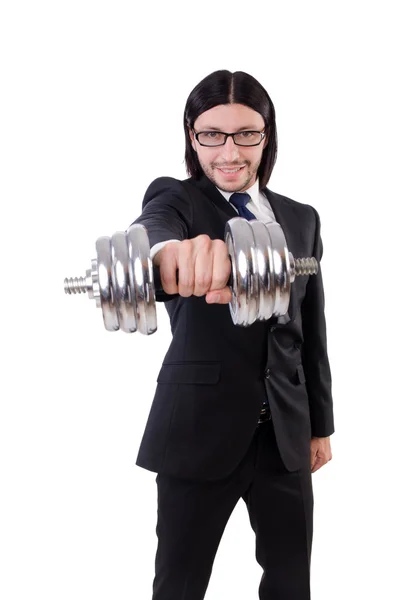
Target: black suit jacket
<point>215,374</point>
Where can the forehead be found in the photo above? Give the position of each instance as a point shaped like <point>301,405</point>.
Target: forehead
<point>230,117</point>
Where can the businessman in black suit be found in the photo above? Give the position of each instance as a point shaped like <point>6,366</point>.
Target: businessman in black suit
<point>238,412</point>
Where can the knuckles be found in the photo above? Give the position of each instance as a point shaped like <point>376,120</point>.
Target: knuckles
<point>185,252</point>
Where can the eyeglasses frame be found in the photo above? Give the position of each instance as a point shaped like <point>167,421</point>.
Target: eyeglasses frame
<point>196,134</point>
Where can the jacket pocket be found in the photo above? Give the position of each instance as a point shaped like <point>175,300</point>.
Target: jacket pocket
<point>195,373</point>
<point>300,373</point>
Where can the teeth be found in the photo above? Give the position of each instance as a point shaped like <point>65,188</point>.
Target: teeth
<point>231,170</point>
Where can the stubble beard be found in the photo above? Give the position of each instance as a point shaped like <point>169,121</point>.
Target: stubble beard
<point>210,172</point>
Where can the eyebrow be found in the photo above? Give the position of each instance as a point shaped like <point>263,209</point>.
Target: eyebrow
<point>248,128</point>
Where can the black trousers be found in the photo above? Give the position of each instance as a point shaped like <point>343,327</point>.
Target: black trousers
<point>192,517</point>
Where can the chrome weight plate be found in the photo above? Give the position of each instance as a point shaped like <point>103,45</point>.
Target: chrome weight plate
<point>282,269</point>
<point>104,268</point>
<point>140,270</point>
<point>240,242</point>
<point>126,310</point>
<point>265,267</point>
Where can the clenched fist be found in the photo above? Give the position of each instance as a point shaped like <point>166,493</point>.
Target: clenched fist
<point>203,267</point>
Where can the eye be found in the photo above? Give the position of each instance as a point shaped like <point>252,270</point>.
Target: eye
<point>211,134</point>
<point>246,134</point>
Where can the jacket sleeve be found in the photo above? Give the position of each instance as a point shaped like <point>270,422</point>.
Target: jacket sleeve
<point>314,350</point>
<point>167,214</point>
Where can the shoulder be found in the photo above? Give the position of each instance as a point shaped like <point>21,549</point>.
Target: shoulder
<point>168,190</point>
<point>164,184</point>
<point>303,210</point>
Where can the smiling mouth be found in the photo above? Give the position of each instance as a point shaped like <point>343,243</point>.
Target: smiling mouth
<point>233,170</point>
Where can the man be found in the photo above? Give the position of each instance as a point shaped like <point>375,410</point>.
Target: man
<point>239,412</point>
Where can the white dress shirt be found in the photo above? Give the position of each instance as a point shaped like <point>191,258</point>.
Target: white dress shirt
<point>259,206</point>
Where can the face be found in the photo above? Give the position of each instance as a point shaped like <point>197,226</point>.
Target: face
<point>230,118</point>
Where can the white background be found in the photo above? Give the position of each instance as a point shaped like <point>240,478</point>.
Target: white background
<point>81,83</point>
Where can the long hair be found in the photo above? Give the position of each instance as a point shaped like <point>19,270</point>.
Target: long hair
<point>224,87</point>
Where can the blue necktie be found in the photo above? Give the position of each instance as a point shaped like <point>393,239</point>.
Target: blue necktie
<point>239,200</point>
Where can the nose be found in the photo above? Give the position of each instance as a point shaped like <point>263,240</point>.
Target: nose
<point>230,152</point>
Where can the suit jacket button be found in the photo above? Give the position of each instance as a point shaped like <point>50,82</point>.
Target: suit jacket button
<point>272,328</point>
<point>267,373</point>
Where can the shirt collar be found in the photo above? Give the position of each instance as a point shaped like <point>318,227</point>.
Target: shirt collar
<point>253,191</point>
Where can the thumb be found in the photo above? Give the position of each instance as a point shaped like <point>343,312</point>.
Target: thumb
<point>313,458</point>
<point>223,296</point>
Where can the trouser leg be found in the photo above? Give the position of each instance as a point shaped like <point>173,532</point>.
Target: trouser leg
<point>280,507</point>
<point>192,517</point>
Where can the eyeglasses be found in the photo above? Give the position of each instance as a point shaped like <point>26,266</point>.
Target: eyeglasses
<point>218,138</point>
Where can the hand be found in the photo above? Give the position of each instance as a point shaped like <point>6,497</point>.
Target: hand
<point>203,268</point>
<point>320,452</point>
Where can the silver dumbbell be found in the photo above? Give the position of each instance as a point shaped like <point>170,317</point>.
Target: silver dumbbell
<point>122,281</point>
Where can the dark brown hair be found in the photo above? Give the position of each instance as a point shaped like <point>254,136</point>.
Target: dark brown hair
<point>224,87</point>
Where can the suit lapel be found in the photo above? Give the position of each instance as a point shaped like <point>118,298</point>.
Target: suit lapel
<point>283,212</point>
<point>209,189</point>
